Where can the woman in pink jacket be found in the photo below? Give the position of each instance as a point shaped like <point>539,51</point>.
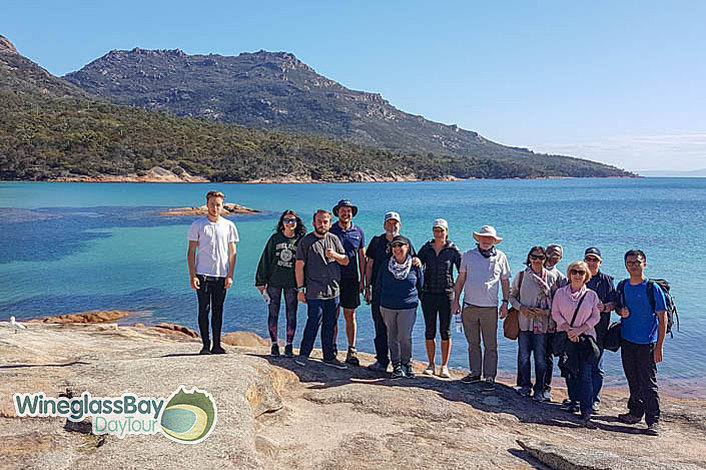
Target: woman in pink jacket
<point>575,309</point>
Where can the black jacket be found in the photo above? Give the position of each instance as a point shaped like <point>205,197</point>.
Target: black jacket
<point>438,269</point>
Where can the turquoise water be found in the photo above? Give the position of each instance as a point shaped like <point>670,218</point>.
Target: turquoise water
<point>82,246</point>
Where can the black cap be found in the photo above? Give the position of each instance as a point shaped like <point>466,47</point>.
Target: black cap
<point>593,251</point>
<point>399,239</point>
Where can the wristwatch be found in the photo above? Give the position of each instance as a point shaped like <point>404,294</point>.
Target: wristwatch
<point>504,301</point>
<point>301,289</point>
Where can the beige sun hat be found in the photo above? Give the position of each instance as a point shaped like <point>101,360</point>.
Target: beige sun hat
<point>487,231</point>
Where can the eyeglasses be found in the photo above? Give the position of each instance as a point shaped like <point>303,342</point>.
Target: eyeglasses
<point>538,257</point>
<point>634,263</point>
<point>577,271</point>
<point>591,260</point>
<point>398,245</point>
<point>287,220</point>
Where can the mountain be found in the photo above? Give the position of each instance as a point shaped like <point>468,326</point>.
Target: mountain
<point>275,90</point>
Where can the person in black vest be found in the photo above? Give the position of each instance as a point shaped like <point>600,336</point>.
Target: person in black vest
<point>604,287</point>
<point>378,255</point>
<point>438,256</point>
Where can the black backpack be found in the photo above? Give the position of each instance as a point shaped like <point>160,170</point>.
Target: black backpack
<point>671,306</point>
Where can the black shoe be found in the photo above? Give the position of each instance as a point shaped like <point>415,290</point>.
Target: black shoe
<point>377,367</point>
<point>274,350</point>
<point>587,423</point>
<point>205,351</point>
<point>288,351</point>
<point>217,350</point>
<point>335,363</point>
<point>652,429</point>
<point>408,371</point>
<point>595,408</point>
<point>398,372</point>
<point>489,385</point>
<point>470,379</point>
<point>571,407</point>
<point>352,357</point>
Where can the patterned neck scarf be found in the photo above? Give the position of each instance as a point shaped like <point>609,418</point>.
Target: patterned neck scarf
<point>399,271</point>
<point>487,253</point>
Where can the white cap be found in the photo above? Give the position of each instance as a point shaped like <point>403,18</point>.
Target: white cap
<point>440,223</point>
<point>392,215</point>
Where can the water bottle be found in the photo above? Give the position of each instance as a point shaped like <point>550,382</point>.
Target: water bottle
<point>458,322</point>
<point>266,297</point>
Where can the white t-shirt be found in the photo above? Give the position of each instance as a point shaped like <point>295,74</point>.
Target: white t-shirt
<point>212,250</point>
<point>483,277</point>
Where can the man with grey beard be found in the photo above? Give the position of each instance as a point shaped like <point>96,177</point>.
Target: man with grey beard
<point>378,254</point>
<point>554,254</point>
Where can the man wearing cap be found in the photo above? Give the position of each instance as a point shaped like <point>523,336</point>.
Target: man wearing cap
<point>483,270</point>
<point>602,284</point>
<point>554,253</point>
<point>378,254</point>
<point>352,275</point>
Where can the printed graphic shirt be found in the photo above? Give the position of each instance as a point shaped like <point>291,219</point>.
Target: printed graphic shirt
<point>276,267</point>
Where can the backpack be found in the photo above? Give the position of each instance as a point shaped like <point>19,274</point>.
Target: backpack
<point>669,303</point>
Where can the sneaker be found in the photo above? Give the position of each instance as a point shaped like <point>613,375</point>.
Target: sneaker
<point>398,372</point>
<point>471,379</point>
<point>652,429</point>
<point>274,351</point>
<point>571,407</point>
<point>524,391</point>
<point>538,397</point>
<point>595,408</point>
<point>377,367</point>
<point>566,402</point>
<point>335,363</point>
<point>587,423</point>
<point>205,351</point>
<point>217,350</point>
<point>302,361</point>
<point>352,357</point>
<point>489,385</point>
<point>444,374</point>
<point>547,396</point>
<point>431,368</point>
<point>408,371</point>
<point>288,351</point>
<point>629,418</point>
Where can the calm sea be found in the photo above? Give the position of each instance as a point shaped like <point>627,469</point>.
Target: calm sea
<point>79,246</point>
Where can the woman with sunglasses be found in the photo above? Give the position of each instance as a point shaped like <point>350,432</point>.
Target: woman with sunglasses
<point>275,276</point>
<point>399,284</point>
<point>531,294</point>
<point>575,309</point>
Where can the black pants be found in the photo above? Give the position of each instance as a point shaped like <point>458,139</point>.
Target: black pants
<point>433,304</point>
<point>641,372</point>
<point>549,358</point>
<point>381,351</point>
<point>211,295</point>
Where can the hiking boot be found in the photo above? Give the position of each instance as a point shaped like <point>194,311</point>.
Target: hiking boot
<point>274,350</point>
<point>444,374</point>
<point>377,367</point>
<point>408,371</point>
<point>352,357</point>
<point>302,361</point>
<point>335,363</point>
<point>523,391</point>
<point>489,385</point>
<point>398,372</point>
<point>288,351</point>
<point>587,423</point>
<point>205,351</point>
<point>431,368</point>
<point>471,379</point>
<point>595,408</point>
<point>629,418</point>
<point>652,429</point>
<point>217,350</point>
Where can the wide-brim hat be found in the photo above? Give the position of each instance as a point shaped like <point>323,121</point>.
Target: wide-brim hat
<point>487,231</point>
<point>345,203</point>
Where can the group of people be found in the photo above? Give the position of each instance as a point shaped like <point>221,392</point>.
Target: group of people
<point>330,268</point>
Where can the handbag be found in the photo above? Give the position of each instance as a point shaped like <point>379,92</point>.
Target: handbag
<point>561,341</point>
<point>511,324</point>
<point>613,337</point>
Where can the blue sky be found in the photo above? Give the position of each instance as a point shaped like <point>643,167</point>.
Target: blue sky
<point>619,82</point>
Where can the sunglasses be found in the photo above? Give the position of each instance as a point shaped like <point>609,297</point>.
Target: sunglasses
<point>538,257</point>
<point>288,220</point>
<point>397,245</point>
<point>591,260</point>
<point>577,271</point>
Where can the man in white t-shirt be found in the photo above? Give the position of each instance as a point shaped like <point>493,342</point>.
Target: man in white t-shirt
<point>483,270</point>
<point>211,260</point>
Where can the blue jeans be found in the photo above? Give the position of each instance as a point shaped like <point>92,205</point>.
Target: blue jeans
<point>532,343</point>
<point>581,387</point>
<point>319,313</point>
<point>597,374</point>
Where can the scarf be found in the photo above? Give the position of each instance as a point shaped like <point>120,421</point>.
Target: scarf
<point>399,271</point>
<point>545,292</point>
<point>487,253</point>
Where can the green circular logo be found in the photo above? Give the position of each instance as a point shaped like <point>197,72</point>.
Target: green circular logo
<point>189,417</point>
